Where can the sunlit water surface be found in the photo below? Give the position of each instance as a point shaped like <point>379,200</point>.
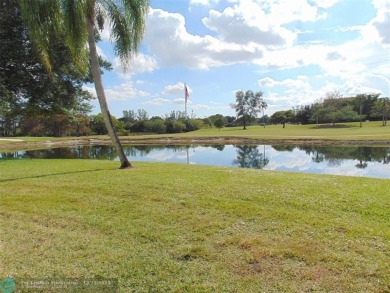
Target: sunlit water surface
<point>337,160</point>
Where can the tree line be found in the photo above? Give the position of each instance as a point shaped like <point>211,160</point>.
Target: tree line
<point>132,121</point>
<point>334,108</point>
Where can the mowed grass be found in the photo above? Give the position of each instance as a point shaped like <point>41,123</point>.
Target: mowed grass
<point>370,131</point>
<point>188,228</point>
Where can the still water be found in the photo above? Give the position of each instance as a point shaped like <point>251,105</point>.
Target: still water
<point>337,160</point>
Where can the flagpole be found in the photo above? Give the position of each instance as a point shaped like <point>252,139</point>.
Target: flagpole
<point>185,100</point>
<point>185,105</point>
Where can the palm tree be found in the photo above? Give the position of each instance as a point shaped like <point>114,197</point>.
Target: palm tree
<point>361,99</point>
<point>78,20</point>
<point>382,107</point>
<point>263,105</point>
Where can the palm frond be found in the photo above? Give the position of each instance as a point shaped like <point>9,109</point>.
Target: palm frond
<point>100,15</point>
<point>75,26</point>
<point>41,17</point>
<point>127,20</point>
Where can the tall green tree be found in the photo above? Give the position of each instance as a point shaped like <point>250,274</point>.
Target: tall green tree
<point>282,117</point>
<point>219,123</point>
<point>248,104</point>
<point>79,20</point>
<point>97,125</point>
<point>333,115</point>
<point>26,90</point>
<point>382,108</point>
<point>215,117</point>
<point>316,109</point>
<point>263,106</point>
<point>365,103</point>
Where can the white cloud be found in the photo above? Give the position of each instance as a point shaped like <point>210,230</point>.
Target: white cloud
<point>352,88</point>
<point>203,2</point>
<point>381,5</point>
<point>176,89</point>
<point>267,82</point>
<point>164,101</point>
<point>286,11</point>
<point>244,31</point>
<point>171,90</point>
<point>139,63</point>
<point>383,29</point>
<point>179,101</point>
<point>378,29</point>
<point>355,61</point>
<point>286,100</point>
<point>287,83</point>
<point>348,28</point>
<point>100,52</point>
<point>287,93</point>
<point>251,32</point>
<point>382,23</point>
<point>326,3</point>
<point>245,24</point>
<point>293,57</point>
<point>166,36</point>
<point>122,92</point>
<point>200,107</point>
<point>158,102</point>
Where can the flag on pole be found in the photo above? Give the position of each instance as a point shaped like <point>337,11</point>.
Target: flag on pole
<point>186,93</point>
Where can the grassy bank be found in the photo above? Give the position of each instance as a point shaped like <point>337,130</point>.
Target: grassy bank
<point>181,228</point>
<point>351,131</point>
<point>370,133</point>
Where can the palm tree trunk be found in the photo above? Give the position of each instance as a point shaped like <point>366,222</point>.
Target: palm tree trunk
<point>383,118</point>
<point>97,79</point>
<point>263,118</point>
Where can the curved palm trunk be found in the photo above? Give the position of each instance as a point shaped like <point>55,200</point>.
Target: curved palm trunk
<point>263,117</point>
<point>383,118</point>
<point>97,79</point>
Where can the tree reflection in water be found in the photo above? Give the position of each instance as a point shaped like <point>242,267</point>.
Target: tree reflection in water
<point>244,156</point>
<point>335,155</point>
<point>249,156</point>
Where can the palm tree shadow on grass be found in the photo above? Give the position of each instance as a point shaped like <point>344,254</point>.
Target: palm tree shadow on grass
<point>52,174</point>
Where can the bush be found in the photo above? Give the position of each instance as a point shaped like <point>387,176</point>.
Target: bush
<point>193,124</point>
<point>97,126</point>
<point>175,126</point>
<point>138,126</point>
<point>156,126</point>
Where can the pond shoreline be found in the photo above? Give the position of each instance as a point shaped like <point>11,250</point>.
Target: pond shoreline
<point>201,140</point>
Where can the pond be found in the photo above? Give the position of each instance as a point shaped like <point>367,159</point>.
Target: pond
<point>337,160</point>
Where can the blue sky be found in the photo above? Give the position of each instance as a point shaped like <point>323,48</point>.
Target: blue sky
<point>293,51</point>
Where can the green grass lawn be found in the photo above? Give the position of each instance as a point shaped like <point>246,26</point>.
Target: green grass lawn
<point>188,228</point>
<point>369,131</point>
